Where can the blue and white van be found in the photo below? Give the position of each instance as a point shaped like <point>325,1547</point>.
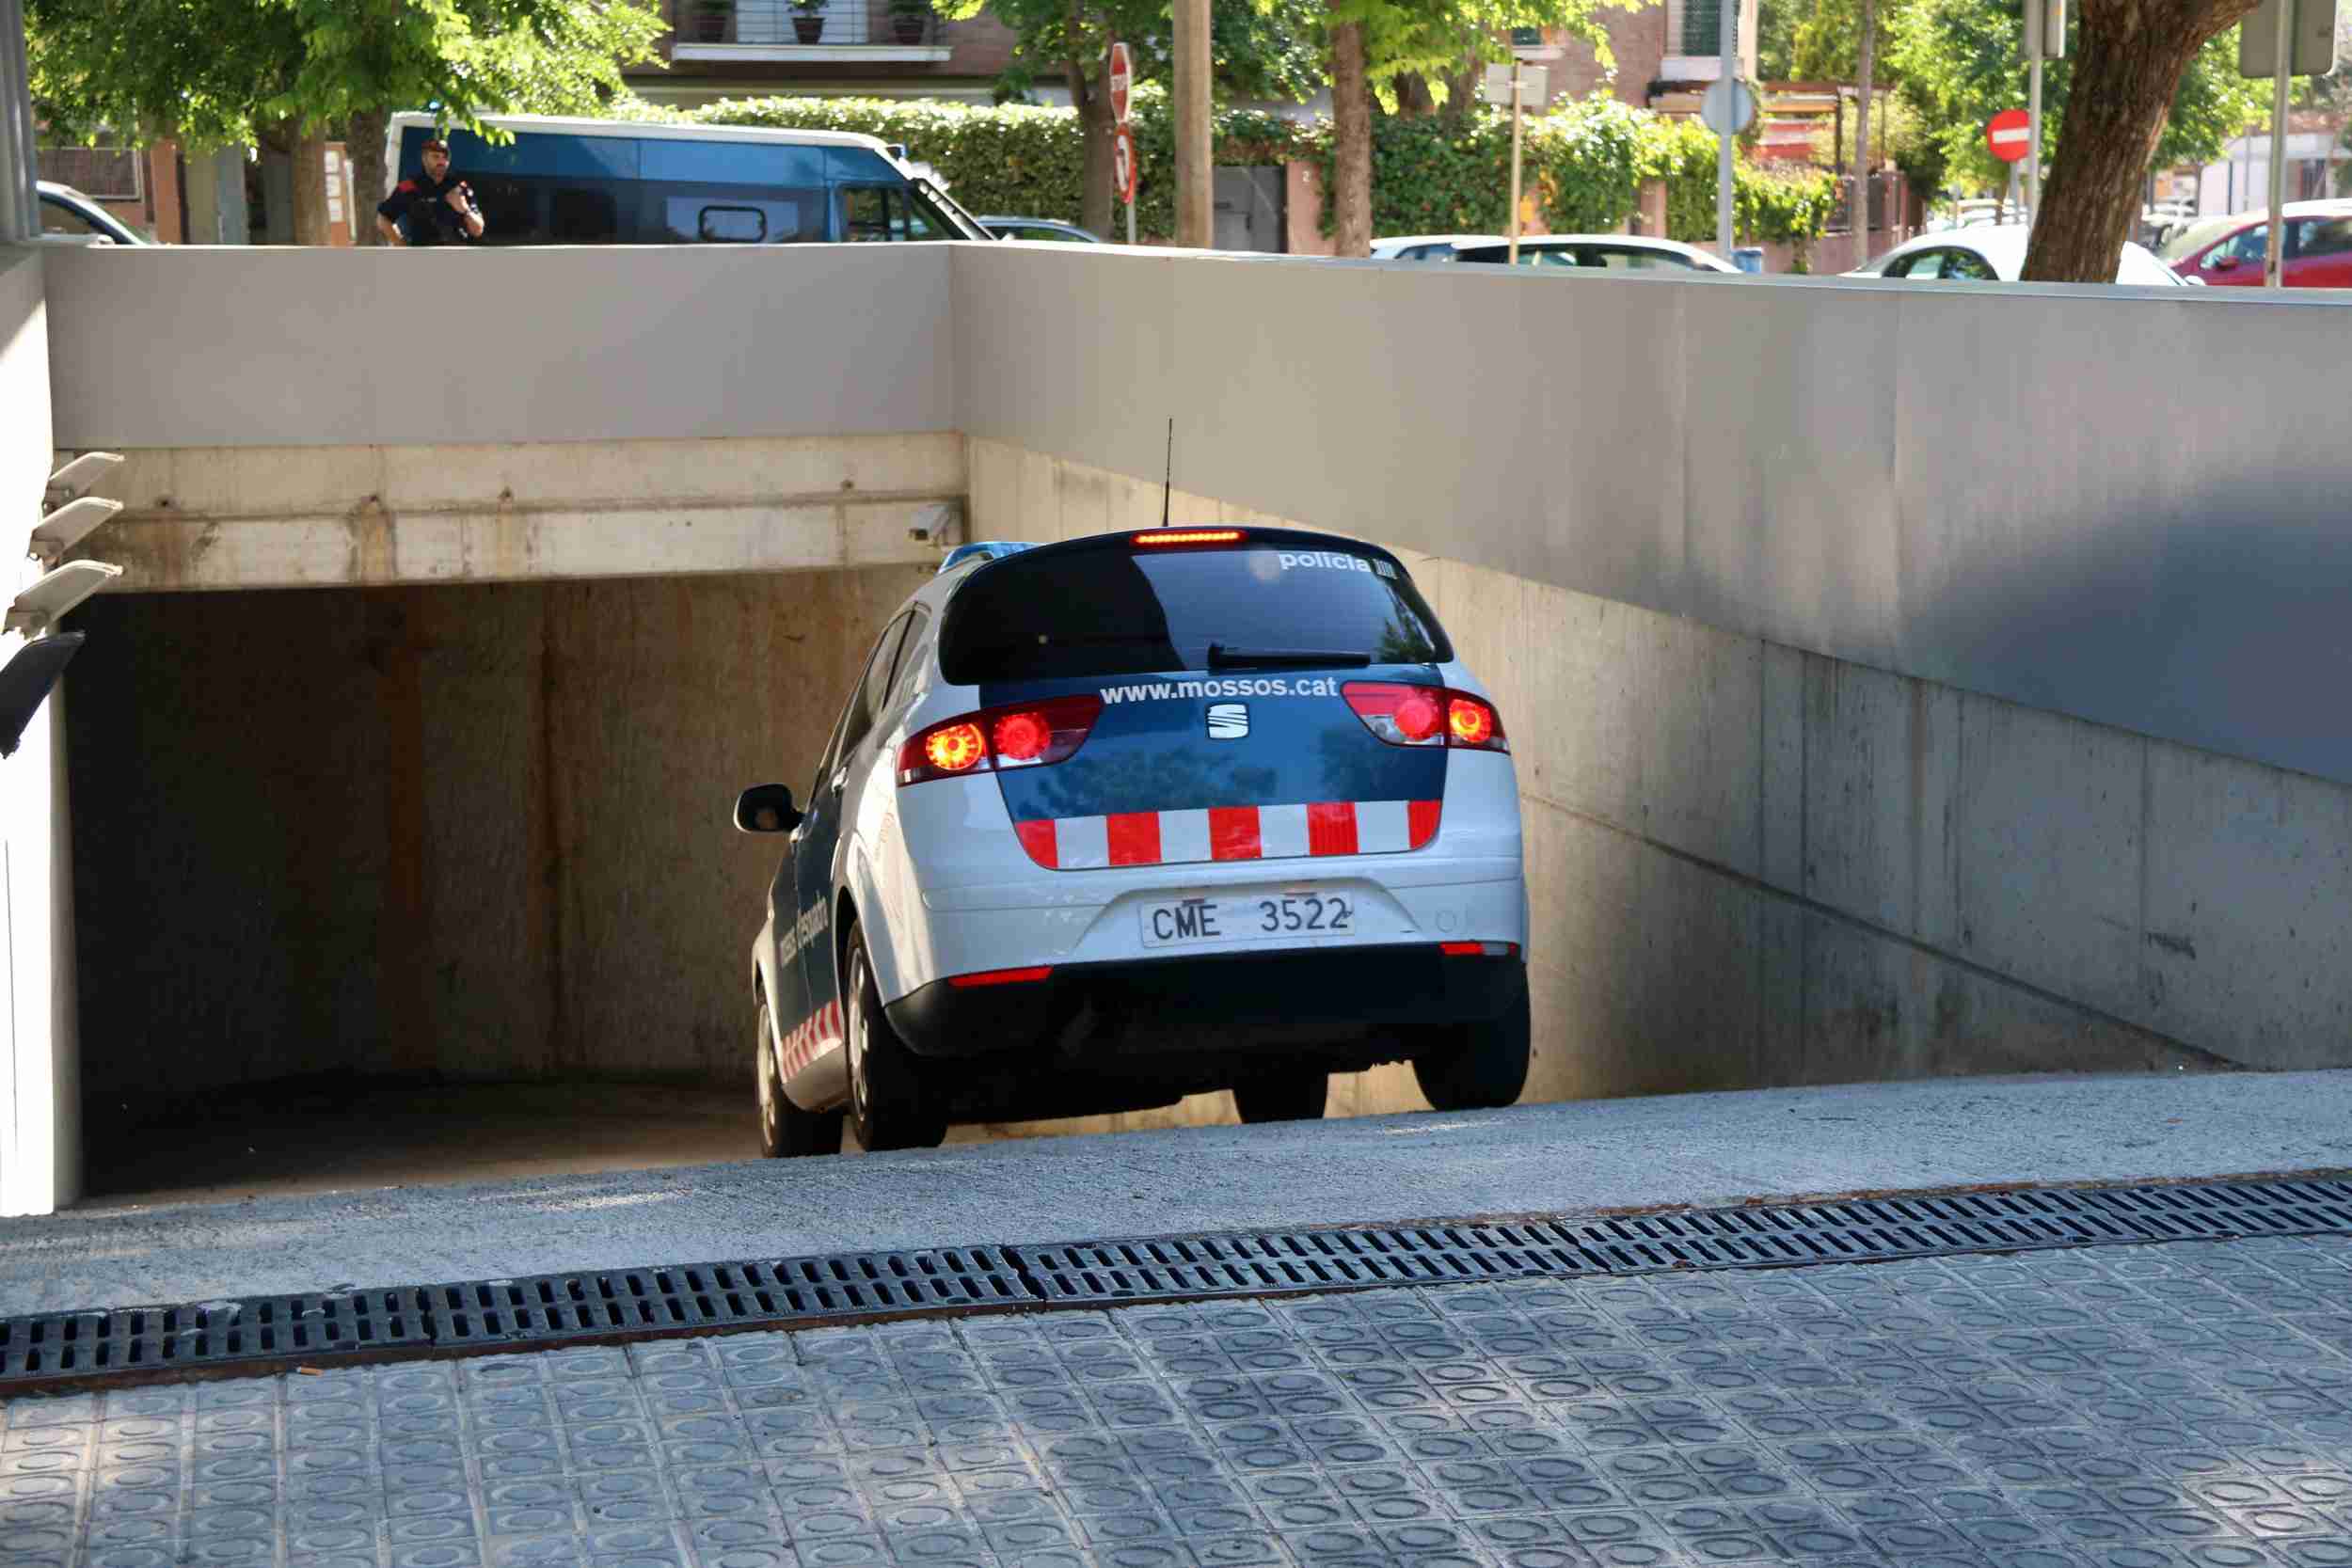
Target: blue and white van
<point>1124,818</point>
<point>603,182</point>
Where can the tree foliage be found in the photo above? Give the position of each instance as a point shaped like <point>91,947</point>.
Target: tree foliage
<point>215,72</point>
<point>1960,63</point>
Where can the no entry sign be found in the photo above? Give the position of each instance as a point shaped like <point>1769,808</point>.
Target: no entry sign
<point>2008,134</point>
<point>1123,165</point>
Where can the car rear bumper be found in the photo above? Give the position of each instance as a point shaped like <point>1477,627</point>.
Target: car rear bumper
<point>1345,1001</point>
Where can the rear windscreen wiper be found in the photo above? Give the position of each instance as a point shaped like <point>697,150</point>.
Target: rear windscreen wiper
<point>1223,658</point>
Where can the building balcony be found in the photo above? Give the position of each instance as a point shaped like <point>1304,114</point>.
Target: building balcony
<point>840,30</point>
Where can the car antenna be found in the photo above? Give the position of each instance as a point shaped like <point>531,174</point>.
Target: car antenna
<point>1169,482</point>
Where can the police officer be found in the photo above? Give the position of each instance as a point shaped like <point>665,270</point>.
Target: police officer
<point>434,208</point>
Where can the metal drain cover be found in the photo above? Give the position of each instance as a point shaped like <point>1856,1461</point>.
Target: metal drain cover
<point>82,1349</point>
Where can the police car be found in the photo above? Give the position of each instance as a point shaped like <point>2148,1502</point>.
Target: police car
<point>1124,818</point>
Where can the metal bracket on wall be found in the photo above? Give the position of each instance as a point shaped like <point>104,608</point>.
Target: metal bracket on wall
<point>55,592</point>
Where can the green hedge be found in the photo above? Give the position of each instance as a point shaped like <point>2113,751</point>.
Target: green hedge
<point>1022,158</point>
<point>1771,202</point>
<point>1431,173</point>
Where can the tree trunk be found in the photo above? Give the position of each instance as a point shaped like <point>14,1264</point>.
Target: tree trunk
<point>305,151</point>
<point>1865,58</point>
<point>1094,100</point>
<point>2128,62</point>
<point>364,140</point>
<point>1351,139</point>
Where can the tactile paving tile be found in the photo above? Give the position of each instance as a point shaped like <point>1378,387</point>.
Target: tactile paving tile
<point>2185,1406</point>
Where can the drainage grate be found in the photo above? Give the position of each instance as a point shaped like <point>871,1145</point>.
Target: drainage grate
<point>239,1338</point>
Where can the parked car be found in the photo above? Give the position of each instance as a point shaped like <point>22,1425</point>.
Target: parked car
<point>1597,253</point>
<point>1991,253</point>
<point>1127,817</point>
<point>1427,248</point>
<point>1038,228</point>
<point>67,214</point>
<point>2229,252</point>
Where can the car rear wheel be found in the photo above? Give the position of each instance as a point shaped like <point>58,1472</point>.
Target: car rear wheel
<point>1481,1066</point>
<point>785,1129</point>
<point>1288,1096</point>
<point>886,1099</point>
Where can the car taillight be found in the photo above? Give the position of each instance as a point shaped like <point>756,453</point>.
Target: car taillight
<point>1471,721</point>
<point>1398,714</point>
<point>1022,735</point>
<point>1406,715</point>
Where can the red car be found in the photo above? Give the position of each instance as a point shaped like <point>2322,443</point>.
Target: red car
<point>2228,252</point>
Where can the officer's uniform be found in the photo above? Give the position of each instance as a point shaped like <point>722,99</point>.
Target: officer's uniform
<point>419,207</point>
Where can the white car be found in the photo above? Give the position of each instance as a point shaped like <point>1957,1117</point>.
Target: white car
<point>1992,253</point>
<point>1428,247</point>
<point>1597,252</point>
<point>1122,819</point>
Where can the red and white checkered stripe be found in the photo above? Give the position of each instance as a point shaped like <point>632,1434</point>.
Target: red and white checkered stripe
<point>816,1032</point>
<point>1230,833</point>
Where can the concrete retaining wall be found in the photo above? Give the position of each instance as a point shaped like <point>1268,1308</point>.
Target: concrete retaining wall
<point>40,1156</point>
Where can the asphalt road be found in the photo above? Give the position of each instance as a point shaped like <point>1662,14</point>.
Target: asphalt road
<point>1575,1158</point>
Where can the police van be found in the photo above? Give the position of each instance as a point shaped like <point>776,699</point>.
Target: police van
<point>1124,818</point>
<point>568,181</point>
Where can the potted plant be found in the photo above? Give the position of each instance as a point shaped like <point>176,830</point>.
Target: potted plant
<point>808,20</point>
<point>710,19</point>
<point>908,19</point>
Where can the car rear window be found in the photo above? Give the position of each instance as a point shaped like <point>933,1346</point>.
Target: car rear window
<point>1119,611</point>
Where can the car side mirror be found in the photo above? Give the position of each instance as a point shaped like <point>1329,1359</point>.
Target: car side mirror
<point>2223,264</point>
<point>766,809</point>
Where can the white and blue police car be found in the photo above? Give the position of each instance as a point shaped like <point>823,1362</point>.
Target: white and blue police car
<point>1119,820</point>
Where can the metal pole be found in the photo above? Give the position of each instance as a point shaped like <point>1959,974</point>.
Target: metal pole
<point>20,208</point>
<point>1728,47</point>
<point>2033,111</point>
<point>1515,166</point>
<point>2274,254</point>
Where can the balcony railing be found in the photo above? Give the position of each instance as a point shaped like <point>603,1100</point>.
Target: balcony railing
<point>853,23</point>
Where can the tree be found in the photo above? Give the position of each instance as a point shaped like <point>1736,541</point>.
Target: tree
<point>1776,23</point>
<point>1261,49</point>
<point>2131,60</point>
<point>285,73</point>
<point>1429,38</point>
<point>1959,62</point>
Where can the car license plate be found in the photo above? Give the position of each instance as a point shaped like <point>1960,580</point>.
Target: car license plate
<point>1297,914</point>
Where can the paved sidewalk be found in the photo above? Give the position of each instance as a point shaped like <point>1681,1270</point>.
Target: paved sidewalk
<point>1695,1149</point>
<point>2181,1406</point>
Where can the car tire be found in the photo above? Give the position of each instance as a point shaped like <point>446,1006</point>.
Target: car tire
<point>786,1131</point>
<point>887,1107</point>
<point>1291,1096</point>
<point>1478,1067</point>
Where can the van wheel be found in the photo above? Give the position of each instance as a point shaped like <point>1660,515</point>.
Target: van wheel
<point>1477,1067</point>
<point>785,1129</point>
<point>1291,1096</point>
<point>886,1099</point>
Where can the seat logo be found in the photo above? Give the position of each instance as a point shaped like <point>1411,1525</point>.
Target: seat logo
<point>1228,720</point>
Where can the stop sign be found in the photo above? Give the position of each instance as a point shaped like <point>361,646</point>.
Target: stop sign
<point>1122,77</point>
<point>2008,134</point>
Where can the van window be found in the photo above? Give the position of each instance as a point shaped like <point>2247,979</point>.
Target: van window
<point>878,213</point>
<point>1115,611</point>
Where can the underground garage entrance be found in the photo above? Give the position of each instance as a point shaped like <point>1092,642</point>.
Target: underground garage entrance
<point>385,886</point>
